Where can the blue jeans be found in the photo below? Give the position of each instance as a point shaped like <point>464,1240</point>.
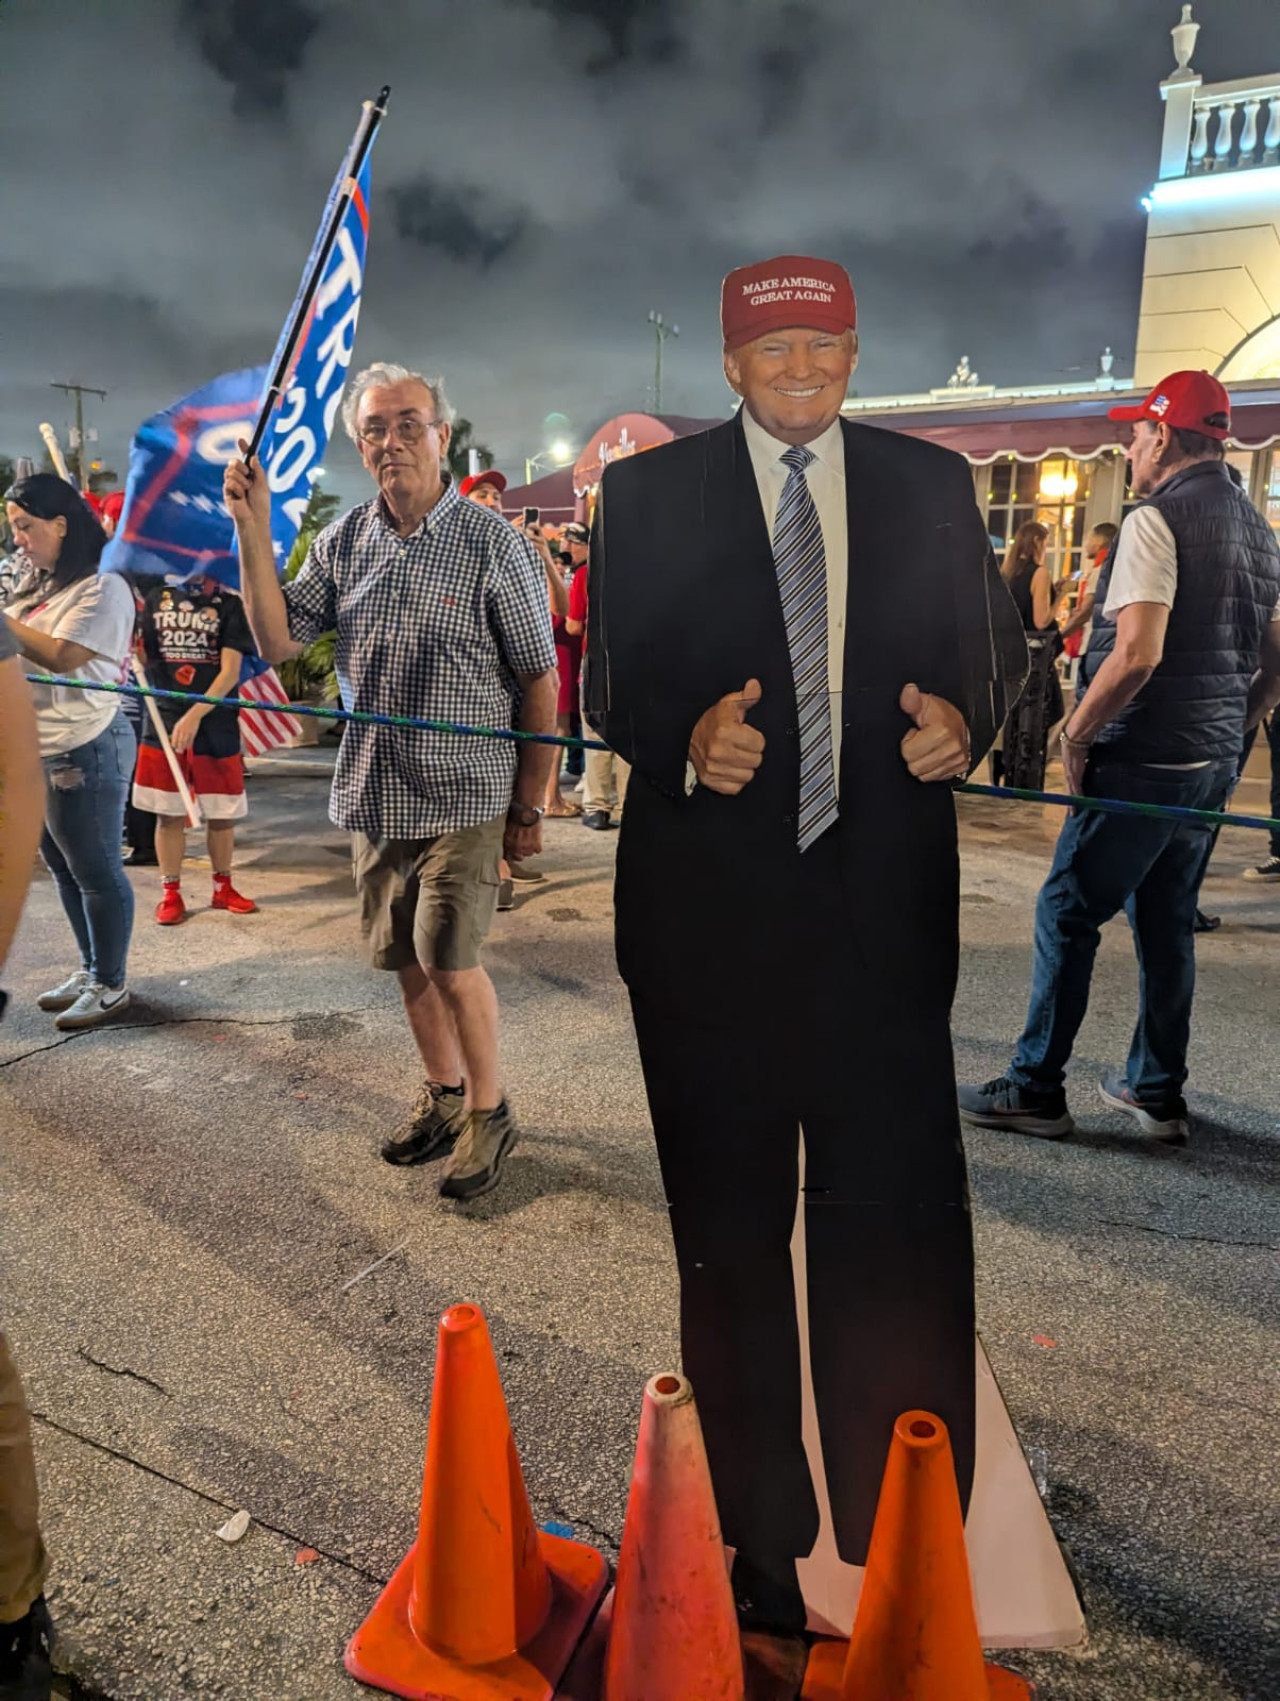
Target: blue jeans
<point>85,792</point>
<point>1149,868</point>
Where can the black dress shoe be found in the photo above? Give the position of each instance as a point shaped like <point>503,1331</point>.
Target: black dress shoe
<point>140,859</point>
<point>1207,923</point>
<point>768,1597</point>
<point>596,819</point>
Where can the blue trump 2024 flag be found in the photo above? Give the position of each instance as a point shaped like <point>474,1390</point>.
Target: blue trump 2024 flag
<point>174,519</point>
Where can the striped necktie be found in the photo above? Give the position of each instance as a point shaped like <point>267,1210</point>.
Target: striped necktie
<point>801,563</point>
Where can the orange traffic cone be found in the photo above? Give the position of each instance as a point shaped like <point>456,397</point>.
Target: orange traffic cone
<point>484,1605</point>
<point>675,1631</point>
<point>915,1637</point>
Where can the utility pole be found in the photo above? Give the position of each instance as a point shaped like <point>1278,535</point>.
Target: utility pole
<point>80,391</point>
<point>661,331</point>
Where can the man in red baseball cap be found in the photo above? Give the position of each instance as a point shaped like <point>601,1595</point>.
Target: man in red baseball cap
<point>1184,657</point>
<point>486,488</point>
<point>798,639</point>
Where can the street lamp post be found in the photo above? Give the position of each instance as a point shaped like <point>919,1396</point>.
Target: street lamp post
<point>558,455</point>
<point>661,331</point>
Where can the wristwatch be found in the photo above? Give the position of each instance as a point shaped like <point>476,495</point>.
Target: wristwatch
<point>526,814</point>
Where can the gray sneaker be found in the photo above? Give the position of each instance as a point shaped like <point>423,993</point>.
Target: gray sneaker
<point>435,1122</point>
<point>64,996</point>
<point>96,1004</point>
<point>476,1164</point>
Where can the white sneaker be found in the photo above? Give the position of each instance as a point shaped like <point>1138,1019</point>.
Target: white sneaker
<point>97,1003</point>
<point>64,996</point>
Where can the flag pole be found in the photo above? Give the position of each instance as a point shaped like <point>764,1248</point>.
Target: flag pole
<point>175,767</point>
<point>55,452</point>
<point>374,112</point>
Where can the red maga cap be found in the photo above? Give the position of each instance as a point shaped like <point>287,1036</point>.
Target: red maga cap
<point>492,477</point>
<point>789,290</point>
<point>1188,401</point>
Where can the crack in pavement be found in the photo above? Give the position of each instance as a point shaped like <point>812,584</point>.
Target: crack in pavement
<point>298,1541</point>
<point>122,1370</point>
<point>1197,1239</point>
<point>191,1021</point>
<point>202,1494</point>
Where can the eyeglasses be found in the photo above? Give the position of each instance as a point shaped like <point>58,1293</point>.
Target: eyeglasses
<point>407,430</point>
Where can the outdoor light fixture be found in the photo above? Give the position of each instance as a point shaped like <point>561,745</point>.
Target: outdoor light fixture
<point>561,451</point>
<point>1262,183</point>
<point>1058,487</point>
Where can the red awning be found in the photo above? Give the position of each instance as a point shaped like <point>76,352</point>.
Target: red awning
<point>629,434</point>
<point>1075,427</point>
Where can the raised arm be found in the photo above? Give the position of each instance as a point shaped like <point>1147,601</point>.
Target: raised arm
<point>248,499</point>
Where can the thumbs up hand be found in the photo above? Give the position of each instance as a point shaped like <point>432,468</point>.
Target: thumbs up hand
<point>725,750</point>
<point>937,747</point>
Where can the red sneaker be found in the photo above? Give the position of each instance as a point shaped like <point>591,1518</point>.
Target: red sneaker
<point>171,909</point>
<point>225,897</point>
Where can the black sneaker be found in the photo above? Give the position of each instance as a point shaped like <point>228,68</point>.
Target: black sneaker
<point>476,1164</point>
<point>435,1122</point>
<point>26,1650</point>
<point>1268,870</point>
<point>1002,1103</point>
<point>596,819</point>
<point>1168,1121</point>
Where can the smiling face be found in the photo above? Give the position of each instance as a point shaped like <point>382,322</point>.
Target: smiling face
<point>793,381</point>
<point>39,540</point>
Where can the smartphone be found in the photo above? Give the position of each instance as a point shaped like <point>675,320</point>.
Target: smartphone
<point>531,516</point>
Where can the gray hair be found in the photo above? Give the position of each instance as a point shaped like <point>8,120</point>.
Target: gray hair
<point>382,373</point>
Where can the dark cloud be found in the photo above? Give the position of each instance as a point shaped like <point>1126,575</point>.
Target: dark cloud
<point>643,30</point>
<point>551,170</point>
<point>254,44</point>
<point>466,225</point>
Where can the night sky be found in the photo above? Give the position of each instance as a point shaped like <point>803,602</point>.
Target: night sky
<point>552,169</point>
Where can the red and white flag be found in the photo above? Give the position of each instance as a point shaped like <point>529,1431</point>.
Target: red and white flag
<point>266,729</point>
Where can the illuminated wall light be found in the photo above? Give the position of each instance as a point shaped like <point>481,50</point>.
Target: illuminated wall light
<point>1058,487</point>
<point>1258,183</point>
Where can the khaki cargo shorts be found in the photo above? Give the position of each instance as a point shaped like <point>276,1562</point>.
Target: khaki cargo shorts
<point>428,901</point>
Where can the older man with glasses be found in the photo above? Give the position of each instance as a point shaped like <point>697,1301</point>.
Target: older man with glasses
<point>440,608</point>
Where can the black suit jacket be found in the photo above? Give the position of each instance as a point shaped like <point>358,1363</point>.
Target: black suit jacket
<point>684,607</point>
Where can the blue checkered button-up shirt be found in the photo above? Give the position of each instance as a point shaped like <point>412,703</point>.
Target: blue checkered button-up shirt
<point>437,625</point>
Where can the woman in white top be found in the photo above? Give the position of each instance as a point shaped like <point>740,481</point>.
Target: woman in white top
<point>72,620</point>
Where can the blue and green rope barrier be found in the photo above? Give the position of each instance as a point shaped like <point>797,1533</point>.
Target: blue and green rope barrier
<point>1061,800</point>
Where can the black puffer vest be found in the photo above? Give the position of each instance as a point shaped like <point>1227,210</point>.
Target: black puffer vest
<point>1192,708</point>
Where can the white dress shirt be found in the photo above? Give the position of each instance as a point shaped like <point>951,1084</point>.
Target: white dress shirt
<point>826,481</point>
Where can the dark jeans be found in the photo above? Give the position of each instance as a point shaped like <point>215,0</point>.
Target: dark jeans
<point>1149,868</point>
<point>84,816</point>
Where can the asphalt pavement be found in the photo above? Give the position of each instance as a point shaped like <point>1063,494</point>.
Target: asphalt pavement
<point>189,1202</point>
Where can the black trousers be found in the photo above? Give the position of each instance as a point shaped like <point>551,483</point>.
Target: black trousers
<point>887,1224</point>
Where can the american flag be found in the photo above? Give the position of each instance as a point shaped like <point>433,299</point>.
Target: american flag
<point>261,730</point>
